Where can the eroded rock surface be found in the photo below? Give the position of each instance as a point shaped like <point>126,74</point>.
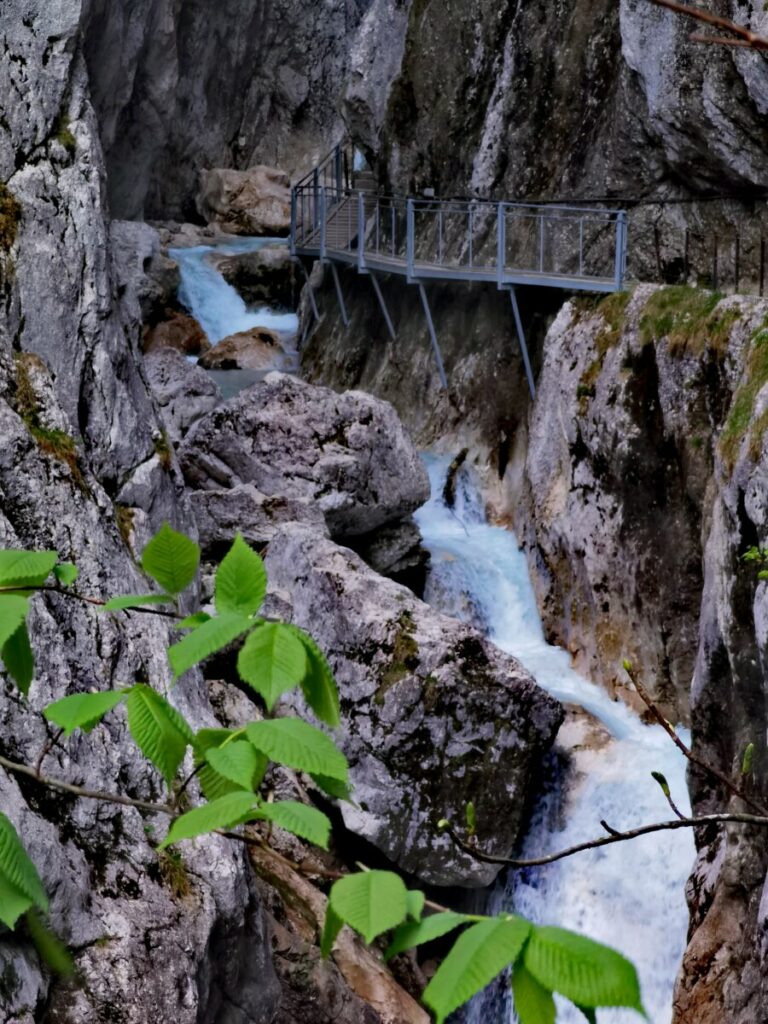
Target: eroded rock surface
<point>184,392</point>
<point>348,452</point>
<point>433,715</point>
<point>252,202</point>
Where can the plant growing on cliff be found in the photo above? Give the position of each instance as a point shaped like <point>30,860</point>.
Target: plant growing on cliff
<point>231,764</point>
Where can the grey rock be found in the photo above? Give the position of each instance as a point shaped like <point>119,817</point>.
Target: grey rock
<point>143,274</point>
<point>396,551</point>
<point>252,202</point>
<point>254,349</point>
<point>184,392</point>
<point>348,452</point>
<point>433,714</point>
<point>267,276</point>
<point>220,515</point>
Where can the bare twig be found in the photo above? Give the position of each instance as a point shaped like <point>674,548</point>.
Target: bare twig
<point>49,745</point>
<point>744,36</point>
<point>610,839</point>
<point>685,751</point>
<point>96,601</point>
<point>85,794</point>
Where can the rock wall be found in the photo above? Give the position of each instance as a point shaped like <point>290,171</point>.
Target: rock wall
<point>642,488</point>
<point>181,86</point>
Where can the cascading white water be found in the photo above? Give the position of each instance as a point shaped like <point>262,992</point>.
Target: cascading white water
<point>216,305</point>
<point>631,895</point>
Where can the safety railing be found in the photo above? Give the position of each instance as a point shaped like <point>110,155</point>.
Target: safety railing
<point>461,239</point>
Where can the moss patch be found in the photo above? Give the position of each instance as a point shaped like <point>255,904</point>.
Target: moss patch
<point>63,134</point>
<point>125,518</point>
<point>173,873</point>
<point>10,218</point>
<point>57,443</point>
<point>739,418</point>
<point>688,318</point>
<point>164,451</point>
<point>403,657</point>
<point>613,309</point>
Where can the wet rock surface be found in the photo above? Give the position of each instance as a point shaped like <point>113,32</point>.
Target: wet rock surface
<point>348,452</point>
<point>433,715</point>
<point>268,276</point>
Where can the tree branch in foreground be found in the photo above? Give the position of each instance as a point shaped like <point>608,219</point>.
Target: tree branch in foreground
<point>743,36</point>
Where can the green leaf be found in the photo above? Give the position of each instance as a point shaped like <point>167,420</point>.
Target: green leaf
<point>194,620</point>
<point>586,972</point>
<point>273,660</point>
<point>66,573</point>
<point>13,903</point>
<point>241,581</point>
<point>225,812</point>
<point>471,818</point>
<point>371,902</point>
<point>207,738</point>
<point>17,869</point>
<point>18,659</point>
<point>26,568</point>
<point>303,821</point>
<point>747,760</point>
<point>51,949</point>
<point>410,935</point>
<point>333,787</point>
<point>13,612</point>
<point>159,730</point>
<point>171,559</point>
<point>83,710</point>
<point>299,745</point>
<point>238,762</point>
<point>416,901</point>
<point>206,640</point>
<point>477,957</point>
<point>533,1003</point>
<point>119,604</point>
<point>319,685</point>
<point>331,929</point>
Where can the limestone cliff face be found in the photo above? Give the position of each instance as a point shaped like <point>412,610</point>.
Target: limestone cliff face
<point>179,86</point>
<point>642,487</point>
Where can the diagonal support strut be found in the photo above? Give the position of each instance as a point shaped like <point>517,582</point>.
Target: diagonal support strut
<point>383,304</point>
<point>433,335</point>
<point>339,293</point>
<point>312,300</point>
<point>522,342</point>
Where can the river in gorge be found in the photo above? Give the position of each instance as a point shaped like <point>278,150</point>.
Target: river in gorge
<point>631,895</point>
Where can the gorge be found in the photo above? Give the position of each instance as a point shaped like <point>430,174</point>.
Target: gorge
<point>609,518</point>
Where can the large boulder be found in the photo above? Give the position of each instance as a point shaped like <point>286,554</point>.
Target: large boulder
<point>252,202</point>
<point>142,268</point>
<point>178,331</point>
<point>433,715</point>
<point>266,276</point>
<point>348,452</point>
<point>184,392</point>
<point>254,349</point>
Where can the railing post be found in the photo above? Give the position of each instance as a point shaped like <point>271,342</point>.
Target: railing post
<point>293,221</point>
<point>541,242</point>
<point>621,248</point>
<point>501,243</point>
<point>360,231</point>
<point>338,170</point>
<point>316,187</point>
<point>471,233</point>
<point>411,237</point>
<point>323,225</point>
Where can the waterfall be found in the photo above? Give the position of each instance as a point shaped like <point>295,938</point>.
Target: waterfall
<point>216,305</point>
<point>630,896</point>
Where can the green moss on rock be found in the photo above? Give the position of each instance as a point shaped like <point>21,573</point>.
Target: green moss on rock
<point>688,318</point>
<point>613,310</point>
<point>10,218</point>
<point>739,422</point>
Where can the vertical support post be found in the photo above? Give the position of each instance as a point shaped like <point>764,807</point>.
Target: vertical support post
<point>383,304</point>
<point>657,251</point>
<point>440,234</point>
<point>316,189</point>
<point>360,231</point>
<point>323,226</point>
<point>339,169</point>
<point>339,293</point>
<point>501,243</point>
<point>521,342</point>
<point>762,267</point>
<point>581,247</point>
<point>411,237</point>
<point>736,263</point>
<point>294,201</point>
<point>378,227</point>
<point>471,234</point>
<point>394,225</point>
<point>433,336</point>
<point>541,243</point>
<point>621,249</point>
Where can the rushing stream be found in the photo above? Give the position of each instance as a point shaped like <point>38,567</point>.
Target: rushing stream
<point>631,895</point>
<point>213,302</point>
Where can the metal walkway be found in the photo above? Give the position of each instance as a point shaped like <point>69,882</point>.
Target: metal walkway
<point>339,218</point>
